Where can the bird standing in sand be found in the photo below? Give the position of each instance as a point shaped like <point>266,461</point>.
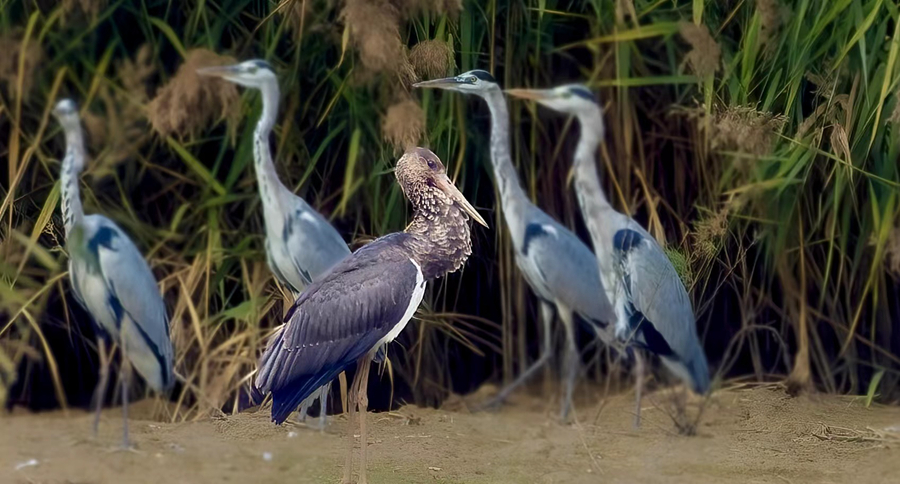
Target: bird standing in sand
<point>559,267</point>
<point>653,309</point>
<point>112,281</point>
<point>300,243</point>
<point>365,302</point>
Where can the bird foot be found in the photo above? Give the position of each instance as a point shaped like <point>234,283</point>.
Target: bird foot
<point>128,447</point>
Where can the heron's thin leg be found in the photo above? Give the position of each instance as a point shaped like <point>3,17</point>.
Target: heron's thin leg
<point>546,319</point>
<point>323,406</point>
<point>363,396</point>
<point>638,386</point>
<point>123,379</point>
<point>571,363</point>
<point>103,379</point>
<point>304,407</point>
<point>351,411</point>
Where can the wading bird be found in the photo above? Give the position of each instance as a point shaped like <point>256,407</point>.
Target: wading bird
<point>300,244</point>
<point>363,303</point>
<point>559,267</point>
<point>112,281</point>
<point>653,310</point>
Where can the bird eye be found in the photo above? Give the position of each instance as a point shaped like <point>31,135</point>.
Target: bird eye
<point>472,79</point>
<point>432,164</point>
<point>252,69</point>
<point>566,95</point>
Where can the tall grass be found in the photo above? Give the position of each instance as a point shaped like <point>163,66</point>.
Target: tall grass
<point>757,139</point>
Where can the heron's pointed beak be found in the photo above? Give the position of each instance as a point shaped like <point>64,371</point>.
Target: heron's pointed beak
<point>533,94</point>
<point>439,83</point>
<point>450,189</point>
<point>225,72</point>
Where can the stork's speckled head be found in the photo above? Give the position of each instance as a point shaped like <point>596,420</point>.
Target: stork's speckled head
<point>573,99</point>
<point>473,82</point>
<point>425,183</point>
<point>254,73</point>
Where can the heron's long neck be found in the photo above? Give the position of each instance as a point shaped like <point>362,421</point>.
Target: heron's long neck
<point>511,193</point>
<point>598,214</point>
<point>73,213</point>
<point>270,187</point>
<point>442,241</point>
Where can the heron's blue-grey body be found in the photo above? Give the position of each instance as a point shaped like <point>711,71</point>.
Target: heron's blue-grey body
<point>558,266</point>
<point>653,310</point>
<point>367,299</point>
<point>111,279</point>
<point>300,243</point>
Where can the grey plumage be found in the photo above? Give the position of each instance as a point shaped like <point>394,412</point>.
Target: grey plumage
<point>112,281</point>
<point>653,310</point>
<point>560,269</point>
<point>301,245</point>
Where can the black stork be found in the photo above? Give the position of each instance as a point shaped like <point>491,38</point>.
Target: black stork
<point>348,315</point>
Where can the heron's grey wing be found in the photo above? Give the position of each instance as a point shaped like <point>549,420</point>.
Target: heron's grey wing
<point>140,310</point>
<point>565,270</point>
<point>363,301</point>
<point>313,243</point>
<point>660,316</point>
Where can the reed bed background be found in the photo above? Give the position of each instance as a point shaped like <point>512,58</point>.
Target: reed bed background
<point>758,139</point>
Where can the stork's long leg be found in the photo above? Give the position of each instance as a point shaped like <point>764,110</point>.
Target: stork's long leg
<point>363,396</point>
<point>638,386</point>
<point>571,363</point>
<point>353,398</point>
<point>103,379</point>
<point>546,321</point>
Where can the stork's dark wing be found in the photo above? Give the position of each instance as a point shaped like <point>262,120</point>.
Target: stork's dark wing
<point>337,320</point>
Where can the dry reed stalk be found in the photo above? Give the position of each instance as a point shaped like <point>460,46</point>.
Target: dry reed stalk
<point>705,53</point>
<point>11,46</point>
<point>189,103</point>
<point>403,124</point>
<point>432,58</point>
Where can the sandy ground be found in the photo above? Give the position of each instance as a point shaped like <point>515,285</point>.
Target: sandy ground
<point>752,435</point>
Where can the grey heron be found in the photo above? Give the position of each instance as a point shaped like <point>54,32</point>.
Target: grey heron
<point>300,243</point>
<point>345,317</point>
<point>558,266</point>
<point>653,309</point>
<point>112,281</point>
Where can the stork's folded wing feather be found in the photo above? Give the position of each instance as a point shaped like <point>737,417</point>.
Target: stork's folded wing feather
<point>337,320</point>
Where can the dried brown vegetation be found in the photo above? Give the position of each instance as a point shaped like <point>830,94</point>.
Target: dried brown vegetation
<point>709,233</point>
<point>15,51</point>
<point>771,17</point>
<point>892,251</point>
<point>432,58</point>
<point>189,103</point>
<point>705,53</point>
<point>90,7</point>
<point>375,33</point>
<point>120,131</point>
<point>403,124</point>
<point>746,129</point>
